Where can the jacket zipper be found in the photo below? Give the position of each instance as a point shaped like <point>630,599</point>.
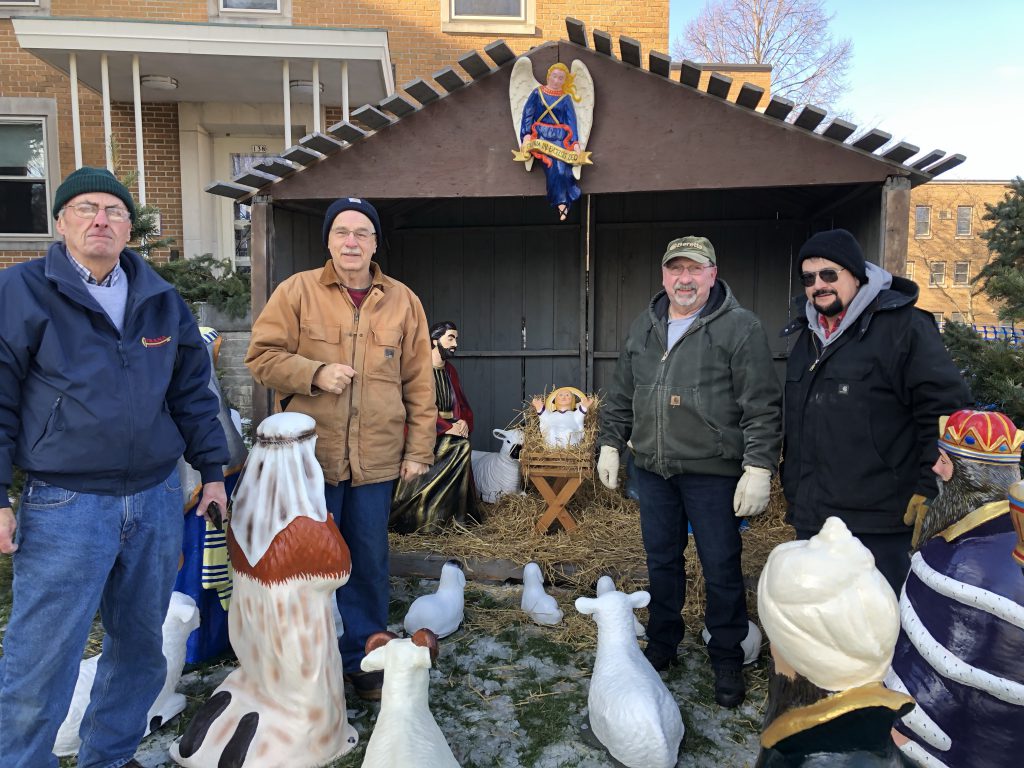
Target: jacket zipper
<point>817,352</point>
<point>661,382</point>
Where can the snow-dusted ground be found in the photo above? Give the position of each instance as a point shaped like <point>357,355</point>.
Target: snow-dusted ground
<point>519,699</point>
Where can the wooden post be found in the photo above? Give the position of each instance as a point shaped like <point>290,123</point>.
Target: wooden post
<point>262,255</point>
<point>895,227</point>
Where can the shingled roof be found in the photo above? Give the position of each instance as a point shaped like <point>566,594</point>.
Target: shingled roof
<point>371,121</point>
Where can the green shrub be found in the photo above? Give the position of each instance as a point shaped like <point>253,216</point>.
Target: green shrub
<point>207,279</point>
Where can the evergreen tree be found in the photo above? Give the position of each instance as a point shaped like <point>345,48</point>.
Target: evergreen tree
<point>1003,277</point>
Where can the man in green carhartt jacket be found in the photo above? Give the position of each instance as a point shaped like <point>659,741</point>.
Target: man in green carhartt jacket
<point>696,394</point>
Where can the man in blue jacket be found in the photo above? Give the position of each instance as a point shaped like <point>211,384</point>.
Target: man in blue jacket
<point>103,385</point>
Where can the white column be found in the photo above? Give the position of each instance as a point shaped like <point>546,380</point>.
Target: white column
<point>287,104</point>
<point>316,95</point>
<point>139,161</point>
<point>344,91</point>
<point>76,123</point>
<point>107,131</point>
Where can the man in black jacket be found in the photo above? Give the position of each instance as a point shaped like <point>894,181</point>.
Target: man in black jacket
<point>866,382</point>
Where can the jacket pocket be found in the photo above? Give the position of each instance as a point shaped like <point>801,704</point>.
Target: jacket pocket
<point>384,355</point>
<point>684,433</point>
<point>54,422</point>
<point>320,342</point>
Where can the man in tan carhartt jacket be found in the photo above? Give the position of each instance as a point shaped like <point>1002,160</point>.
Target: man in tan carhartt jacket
<point>350,347</point>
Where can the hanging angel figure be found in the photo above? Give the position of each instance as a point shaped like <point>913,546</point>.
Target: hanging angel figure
<point>553,122</point>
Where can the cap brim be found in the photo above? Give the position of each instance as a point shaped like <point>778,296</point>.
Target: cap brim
<point>700,258</point>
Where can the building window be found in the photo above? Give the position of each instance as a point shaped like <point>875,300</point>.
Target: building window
<point>24,177</point>
<point>517,17</point>
<point>9,8</point>
<point>964,215</point>
<point>251,6</point>
<point>961,272</point>
<point>938,318</point>
<point>956,317</point>
<point>476,9</point>
<point>938,274</point>
<point>923,221</point>
<point>910,271</point>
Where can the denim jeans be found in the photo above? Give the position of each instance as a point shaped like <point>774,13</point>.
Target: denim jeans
<point>79,552</point>
<point>705,502</point>
<point>361,513</point>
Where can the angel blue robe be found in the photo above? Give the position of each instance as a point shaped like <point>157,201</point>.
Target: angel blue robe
<point>552,116</point>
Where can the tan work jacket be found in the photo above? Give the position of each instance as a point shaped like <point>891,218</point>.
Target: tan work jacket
<point>388,412</point>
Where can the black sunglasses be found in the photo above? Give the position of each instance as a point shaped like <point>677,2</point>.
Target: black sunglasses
<point>827,276</point>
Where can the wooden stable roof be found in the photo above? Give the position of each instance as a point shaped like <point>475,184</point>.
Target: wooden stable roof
<point>651,133</point>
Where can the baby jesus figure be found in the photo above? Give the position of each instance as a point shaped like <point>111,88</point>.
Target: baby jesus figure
<point>561,419</point>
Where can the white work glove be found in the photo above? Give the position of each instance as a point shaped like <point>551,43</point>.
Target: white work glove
<point>608,467</point>
<point>752,492</point>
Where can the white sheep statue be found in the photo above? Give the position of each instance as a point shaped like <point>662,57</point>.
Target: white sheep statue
<point>607,584</point>
<point>536,603</point>
<point>632,713</point>
<point>441,612</point>
<point>182,619</point>
<point>406,733</point>
<point>498,473</point>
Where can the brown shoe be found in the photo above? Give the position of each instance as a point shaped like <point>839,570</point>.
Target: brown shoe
<point>367,685</point>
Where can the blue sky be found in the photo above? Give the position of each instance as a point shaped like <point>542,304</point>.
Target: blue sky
<point>940,75</point>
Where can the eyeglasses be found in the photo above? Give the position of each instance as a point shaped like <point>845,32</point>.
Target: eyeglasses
<point>362,235</point>
<point>114,213</point>
<point>694,270</point>
<point>828,275</point>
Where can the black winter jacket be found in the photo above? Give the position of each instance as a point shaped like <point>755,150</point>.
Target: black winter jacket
<point>89,409</point>
<point>862,417</point>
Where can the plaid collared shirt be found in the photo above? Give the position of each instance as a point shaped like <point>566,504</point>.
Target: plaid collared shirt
<point>108,282</point>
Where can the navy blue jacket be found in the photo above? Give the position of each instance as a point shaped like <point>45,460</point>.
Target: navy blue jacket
<point>92,410</point>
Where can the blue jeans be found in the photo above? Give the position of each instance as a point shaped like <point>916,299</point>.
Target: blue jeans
<point>705,502</point>
<point>361,513</point>
<point>79,552</point>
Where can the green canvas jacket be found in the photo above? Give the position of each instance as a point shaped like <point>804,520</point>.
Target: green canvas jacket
<point>710,405</point>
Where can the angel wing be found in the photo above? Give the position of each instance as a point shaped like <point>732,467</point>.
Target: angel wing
<point>522,84</point>
<point>584,107</point>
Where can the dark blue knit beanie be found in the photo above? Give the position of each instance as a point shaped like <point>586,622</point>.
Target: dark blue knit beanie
<point>836,245</point>
<point>351,204</point>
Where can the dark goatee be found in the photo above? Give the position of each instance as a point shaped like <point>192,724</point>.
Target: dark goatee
<point>832,309</point>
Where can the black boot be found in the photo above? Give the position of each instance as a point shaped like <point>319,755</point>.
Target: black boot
<point>730,687</point>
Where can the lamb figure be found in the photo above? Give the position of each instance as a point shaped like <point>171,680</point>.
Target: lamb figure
<point>406,733</point>
<point>632,713</point>
<point>441,612</point>
<point>607,584</point>
<point>498,473</point>
<point>285,704</point>
<point>536,603</point>
<point>182,619</point>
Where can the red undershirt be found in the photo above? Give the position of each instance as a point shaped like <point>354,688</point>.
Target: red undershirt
<point>358,294</point>
<point>829,324</point>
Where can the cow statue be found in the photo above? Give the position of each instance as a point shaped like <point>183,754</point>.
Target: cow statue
<point>285,704</point>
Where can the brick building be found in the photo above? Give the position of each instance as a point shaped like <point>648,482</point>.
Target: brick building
<point>211,78</point>
<point>945,251</point>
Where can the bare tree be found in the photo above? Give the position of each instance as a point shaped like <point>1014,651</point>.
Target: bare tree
<point>808,65</point>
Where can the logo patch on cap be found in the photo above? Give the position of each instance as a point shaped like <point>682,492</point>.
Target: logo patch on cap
<point>355,200</point>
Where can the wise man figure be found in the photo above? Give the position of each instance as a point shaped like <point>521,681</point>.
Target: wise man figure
<point>962,606</point>
<point>832,620</point>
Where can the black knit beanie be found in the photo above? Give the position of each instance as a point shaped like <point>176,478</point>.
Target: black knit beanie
<point>87,179</point>
<point>836,245</point>
<point>351,204</point>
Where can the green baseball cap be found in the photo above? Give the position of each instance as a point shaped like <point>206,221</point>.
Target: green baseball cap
<point>699,249</point>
